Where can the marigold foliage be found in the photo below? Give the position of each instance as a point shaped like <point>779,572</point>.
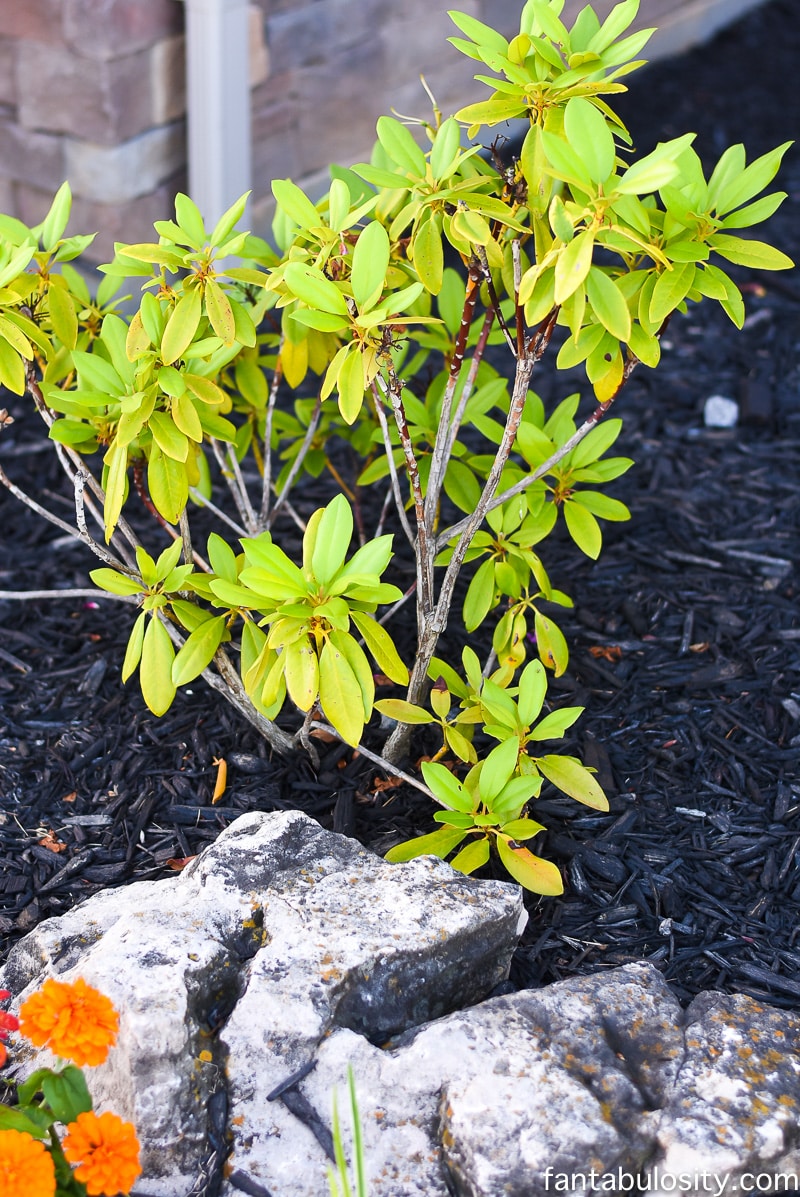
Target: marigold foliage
<point>106,1152</point>
<point>25,1166</point>
<point>72,1019</point>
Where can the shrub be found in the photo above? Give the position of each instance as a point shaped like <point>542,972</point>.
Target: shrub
<point>369,326</point>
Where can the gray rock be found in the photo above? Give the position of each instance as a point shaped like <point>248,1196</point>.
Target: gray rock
<point>285,949</point>
<point>283,929</point>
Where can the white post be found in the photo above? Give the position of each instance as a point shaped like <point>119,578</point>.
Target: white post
<point>218,104</point>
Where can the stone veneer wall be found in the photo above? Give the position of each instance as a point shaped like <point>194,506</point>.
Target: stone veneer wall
<point>94,91</point>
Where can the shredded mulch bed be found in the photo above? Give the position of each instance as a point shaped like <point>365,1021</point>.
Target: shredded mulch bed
<point>685,648</point>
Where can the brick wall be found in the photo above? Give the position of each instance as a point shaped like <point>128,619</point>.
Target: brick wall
<point>94,91</point>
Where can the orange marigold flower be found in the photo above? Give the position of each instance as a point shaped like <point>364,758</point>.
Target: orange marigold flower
<point>25,1166</point>
<point>106,1151</point>
<point>74,1020</point>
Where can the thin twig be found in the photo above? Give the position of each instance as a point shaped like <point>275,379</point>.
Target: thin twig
<point>423,554</point>
<point>281,500</point>
<point>377,760</point>
<point>71,593</point>
<point>469,383</point>
<point>230,481</point>
<point>395,481</point>
<point>250,521</point>
<point>266,480</point>
<point>552,461</point>
<point>439,455</point>
<point>218,512</point>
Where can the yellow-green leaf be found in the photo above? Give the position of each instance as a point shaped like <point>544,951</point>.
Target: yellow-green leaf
<point>381,645</point>
<point>117,461</point>
<point>573,263</point>
<point>220,312</point>
<point>340,694</point>
<point>198,650</point>
<point>350,385</point>
<point>155,668</point>
<point>427,253</point>
<point>539,876</point>
<point>168,484</point>
<point>301,668</point>
<point>133,653</point>
<point>574,779</point>
<point>608,303</point>
<point>62,315</point>
<point>181,326</point>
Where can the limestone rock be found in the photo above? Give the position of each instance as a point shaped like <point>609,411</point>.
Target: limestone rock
<point>285,952</point>
<point>294,930</point>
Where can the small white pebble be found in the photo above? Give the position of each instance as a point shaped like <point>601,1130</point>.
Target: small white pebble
<point>719,412</point>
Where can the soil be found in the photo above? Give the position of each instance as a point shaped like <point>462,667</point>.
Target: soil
<point>684,641</point>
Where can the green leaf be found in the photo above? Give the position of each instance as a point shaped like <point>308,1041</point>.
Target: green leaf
<point>66,1093</point>
<point>447,788</point>
<point>583,528</point>
<point>197,651</point>
<point>553,726</point>
<point>116,459</point>
<point>220,312</point>
<point>573,264</point>
<point>550,643</point>
<point>484,35</point>
<point>12,370</point>
<point>427,252</point>
<point>168,484</point>
<point>350,384</point>
<point>96,374</point>
<point>602,505</point>
<point>672,287</point>
<point>56,219</point>
<point>745,252</point>
<point>589,135</point>
<point>498,769</point>
<point>522,829</point>
<point>180,327</point>
<point>608,303</point>
<point>480,596</point>
<point>743,185</point>
<point>439,843</point>
<point>63,315</point>
<point>310,284</point>
<point>186,419</point>
<point>444,150</point>
<point>296,204</point>
<point>532,690</point>
<point>155,670</point>
<point>229,219</point>
<point>356,658</point>
<point>472,857</point>
<point>32,1121</point>
<point>539,876</point>
<point>656,169</point>
<point>332,540</point>
<point>573,778</point>
<point>340,694</point>
<point>565,163</point>
<point>188,217</point>
<point>133,653</point>
<point>400,146</point>
<point>370,263</point>
<point>381,645</point>
<point>169,439</point>
<point>115,582</point>
<point>301,668</point>
<point>402,711</point>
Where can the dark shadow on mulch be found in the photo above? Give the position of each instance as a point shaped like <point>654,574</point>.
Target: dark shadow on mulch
<point>685,649</point>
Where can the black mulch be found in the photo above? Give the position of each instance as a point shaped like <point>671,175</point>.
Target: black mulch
<point>685,645</point>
